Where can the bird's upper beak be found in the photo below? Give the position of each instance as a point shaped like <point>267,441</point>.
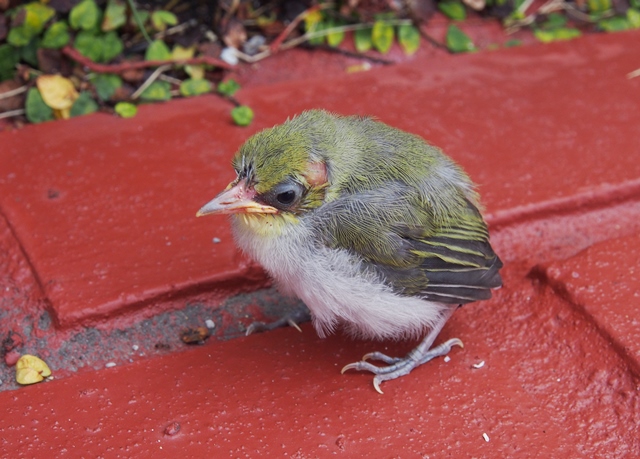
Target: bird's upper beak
<point>237,198</point>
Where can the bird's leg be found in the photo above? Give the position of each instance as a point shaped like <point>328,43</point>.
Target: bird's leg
<point>400,366</point>
<point>293,318</point>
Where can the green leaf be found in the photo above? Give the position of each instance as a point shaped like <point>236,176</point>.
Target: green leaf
<point>85,15</point>
<point>614,24</point>
<point>458,41</point>
<point>563,33</point>
<point>334,38</point>
<point>36,16</point>
<point>409,38</point>
<point>635,4</point>
<point>513,42</point>
<point>362,40</point>
<point>554,21</point>
<point>599,6</point>
<point>9,57</point>
<point>193,87</point>
<point>115,15</point>
<point>313,22</point>
<point>453,10</point>
<point>320,27</point>
<point>382,36</point>
<point>35,108</point>
<point>83,105</point>
<point>89,45</point>
<point>242,115</point>
<point>633,16</point>
<point>29,53</point>
<point>106,85</point>
<point>20,36</point>
<point>111,46</point>
<point>157,51</point>
<point>161,19</point>
<point>126,109</point>
<point>157,91</point>
<point>56,36</point>
<point>229,87</point>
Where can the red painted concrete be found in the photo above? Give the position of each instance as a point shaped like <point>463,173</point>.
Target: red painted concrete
<point>106,218</point>
<point>605,281</point>
<point>549,132</point>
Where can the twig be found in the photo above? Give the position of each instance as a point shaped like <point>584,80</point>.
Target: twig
<point>13,92</point>
<point>126,66</point>
<point>635,73</point>
<point>175,29</point>
<point>275,45</point>
<point>12,113</point>
<point>432,40</point>
<point>153,77</point>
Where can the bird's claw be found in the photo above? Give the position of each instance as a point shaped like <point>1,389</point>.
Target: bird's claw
<point>398,366</point>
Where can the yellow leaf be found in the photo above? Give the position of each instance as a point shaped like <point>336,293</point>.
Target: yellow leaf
<point>30,369</point>
<point>57,91</point>
<point>179,53</point>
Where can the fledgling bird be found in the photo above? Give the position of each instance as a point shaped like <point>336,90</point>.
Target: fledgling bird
<point>372,227</point>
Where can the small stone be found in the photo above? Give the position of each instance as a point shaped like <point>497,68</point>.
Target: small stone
<point>252,45</point>
<point>172,429</point>
<point>447,358</point>
<point>109,364</point>
<point>486,437</point>
<point>135,347</point>
<point>216,240</point>
<point>210,324</point>
<point>478,365</point>
<point>229,56</point>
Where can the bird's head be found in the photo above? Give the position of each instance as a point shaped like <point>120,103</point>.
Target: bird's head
<point>280,176</point>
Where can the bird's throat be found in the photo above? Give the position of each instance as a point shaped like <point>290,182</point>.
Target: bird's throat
<point>266,225</point>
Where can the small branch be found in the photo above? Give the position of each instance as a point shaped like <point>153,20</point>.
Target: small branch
<point>275,45</point>
<point>13,92</point>
<point>153,77</point>
<point>12,113</point>
<point>634,74</point>
<point>126,66</point>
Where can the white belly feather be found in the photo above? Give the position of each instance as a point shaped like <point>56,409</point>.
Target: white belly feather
<point>331,283</point>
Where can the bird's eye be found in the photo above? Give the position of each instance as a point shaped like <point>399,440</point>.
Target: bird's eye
<point>286,197</point>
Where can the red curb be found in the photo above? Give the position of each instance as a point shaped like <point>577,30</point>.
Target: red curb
<point>605,281</point>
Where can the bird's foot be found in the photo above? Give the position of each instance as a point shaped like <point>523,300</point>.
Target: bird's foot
<point>400,366</point>
<point>292,319</point>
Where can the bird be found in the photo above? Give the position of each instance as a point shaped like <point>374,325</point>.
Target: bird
<point>376,230</point>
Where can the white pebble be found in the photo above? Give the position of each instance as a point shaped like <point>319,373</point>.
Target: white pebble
<point>135,347</point>
<point>110,364</point>
<point>478,365</point>
<point>229,56</point>
<point>210,324</point>
<point>486,437</point>
<point>216,240</point>
<point>447,358</point>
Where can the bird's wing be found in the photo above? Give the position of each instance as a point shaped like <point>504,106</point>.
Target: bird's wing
<point>398,237</point>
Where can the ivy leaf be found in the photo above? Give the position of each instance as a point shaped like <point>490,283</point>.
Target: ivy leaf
<point>313,23</point>
<point>193,87</point>
<point>89,45</point>
<point>56,36</point>
<point>453,10</point>
<point>157,51</point>
<point>85,15</point>
<point>106,85</point>
<point>35,108</point>
<point>228,87</point>
<point>599,6</point>
<point>334,38</point>
<point>115,15</point>
<point>9,57</point>
<point>36,16</point>
<point>409,38</point>
<point>161,19</point>
<point>111,46</point>
<point>362,40</point>
<point>242,115</point>
<point>554,21</point>
<point>29,53</point>
<point>633,16</point>
<point>126,109</point>
<point>614,24</point>
<point>562,33</point>
<point>180,53</point>
<point>157,91</point>
<point>382,36</point>
<point>84,105</point>
<point>458,41</point>
<point>19,36</point>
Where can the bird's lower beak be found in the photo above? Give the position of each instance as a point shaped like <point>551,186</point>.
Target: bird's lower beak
<point>237,198</point>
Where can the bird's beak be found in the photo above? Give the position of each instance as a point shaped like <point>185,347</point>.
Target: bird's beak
<point>237,198</point>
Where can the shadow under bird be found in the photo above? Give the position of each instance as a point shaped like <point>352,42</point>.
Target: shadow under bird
<point>373,228</point>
